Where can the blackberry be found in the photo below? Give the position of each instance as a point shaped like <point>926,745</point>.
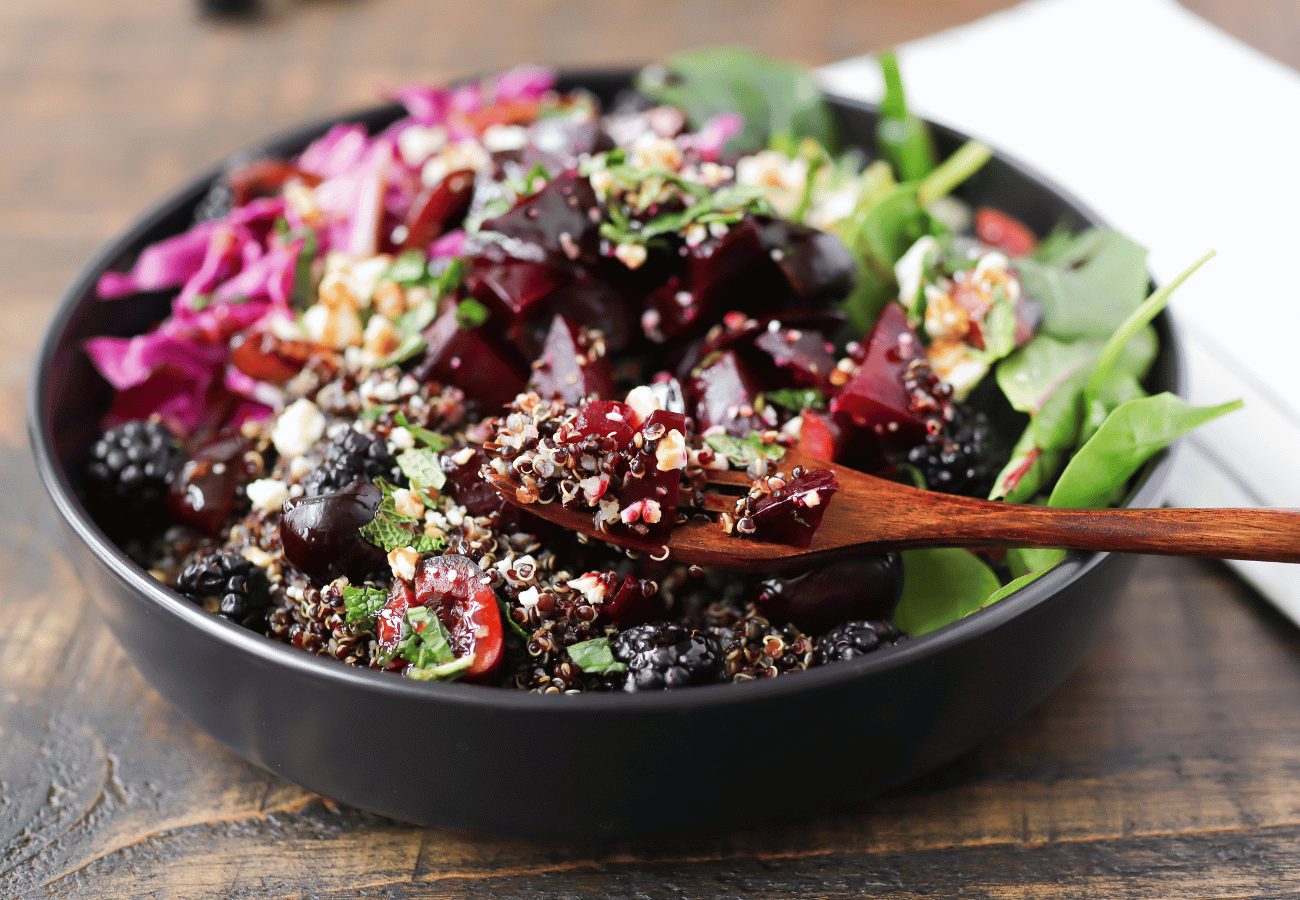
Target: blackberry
<point>854,639</point>
<point>667,655</point>
<point>349,456</point>
<point>134,462</point>
<point>964,457</point>
<point>227,584</point>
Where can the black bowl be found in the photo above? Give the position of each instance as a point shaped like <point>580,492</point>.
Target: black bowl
<point>468,757</point>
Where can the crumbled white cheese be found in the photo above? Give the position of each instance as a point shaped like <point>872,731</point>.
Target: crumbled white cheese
<point>298,427</point>
<point>504,138</point>
<point>911,269</point>
<point>591,586</point>
<point>417,143</point>
<point>670,453</point>
<point>631,255</point>
<point>812,498</point>
<point>642,510</point>
<point>781,177</point>
<point>267,494</point>
<point>401,439</point>
<point>653,152</point>
<point>408,503</point>
<point>381,336</point>
<point>957,364</point>
<point>402,562</point>
<point>529,597</point>
<point>463,456</point>
<point>643,401</point>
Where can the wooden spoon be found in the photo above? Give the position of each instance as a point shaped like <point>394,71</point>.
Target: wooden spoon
<point>871,515</point>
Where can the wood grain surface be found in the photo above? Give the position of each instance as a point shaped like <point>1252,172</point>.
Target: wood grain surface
<point>1167,767</point>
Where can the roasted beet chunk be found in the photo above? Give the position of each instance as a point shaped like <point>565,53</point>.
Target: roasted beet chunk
<point>803,356</point>
<point>320,534</point>
<point>607,419</point>
<point>209,488</point>
<point>472,356</point>
<point>633,603</point>
<point>817,600</point>
<point>461,596</point>
<point>785,510</point>
<point>820,269</point>
<point>466,486</point>
<point>438,209</point>
<point>724,394</point>
<point>512,287</point>
<point>573,365</point>
<point>561,219</point>
<point>888,396</point>
<point>730,272</point>
<point>651,490</point>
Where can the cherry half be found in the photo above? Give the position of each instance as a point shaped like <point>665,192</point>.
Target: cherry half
<point>461,596</point>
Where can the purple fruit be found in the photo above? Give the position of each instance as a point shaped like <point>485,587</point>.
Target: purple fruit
<point>320,534</point>
<point>210,486</point>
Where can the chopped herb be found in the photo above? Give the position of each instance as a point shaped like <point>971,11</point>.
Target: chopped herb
<point>420,465</point>
<point>595,657</point>
<point>373,413</point>
<point>796,399</point>
<point>301,296</point>
<point>431,439</point>
<point>450,278</point>
<point>200,302</point>
<point>426,642</point>
<point>442,672</point>
<point>363,604</point>
<point>411,346</point>
<point>510,621</point>
<point>410,267</point>
<point>390,530</point>
<point>470,313</point>
<point>740,452</point>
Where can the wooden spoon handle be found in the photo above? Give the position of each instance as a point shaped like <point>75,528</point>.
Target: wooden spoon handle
<point>1264,534</point>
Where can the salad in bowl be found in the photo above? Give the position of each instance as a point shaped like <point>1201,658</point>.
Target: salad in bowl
<point>604,303</point>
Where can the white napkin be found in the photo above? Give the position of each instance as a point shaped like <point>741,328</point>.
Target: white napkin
<point>1187,140</point>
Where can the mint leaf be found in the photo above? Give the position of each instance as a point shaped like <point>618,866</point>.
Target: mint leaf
<point>420,466</point>
<point>595,656</point>
<point>301,295</point>
<point>443,671</point>
<point>389,530</point>
<point>427,642</point>
<point>941,586</point>
<point>796,399</point>
<point>431,439</point>
<point>363,604</point>
<point>410,325</point>
<point>740,452</point>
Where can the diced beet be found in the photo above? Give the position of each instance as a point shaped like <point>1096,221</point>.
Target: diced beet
<point>461,596</point>
<point>866,587</point>
<point>634,603</point>
<point>210,485</point>
<point>875,399</point>
<point>572,366</point>
<point>477,360</point>
<point>656,492</point>
<point>268,358</point>
<point>466,486</point>
<point>820,269</point>
<point>556,142</point>
<point>320,536</point>
<point>819,436</point>
<point>608,418</point>
<point>562,219</point>
<point>1004,232</point>
<point>512,287</point>
<point>591,299</point>
<point>730,272</point>
<point>723,393</point>
<point>805,356</point>
<point>438,209</point>
<point>791,515</point>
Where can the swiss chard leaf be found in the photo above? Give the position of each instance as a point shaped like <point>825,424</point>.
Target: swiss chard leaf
<point>1132,433</point>
<point>778,101</point>
<point>941,586</point>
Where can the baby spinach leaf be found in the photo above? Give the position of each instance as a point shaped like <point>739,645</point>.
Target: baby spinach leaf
<point>1029,470</point>
<point>779,102</point>
<point>1089,286</point>
<point>941,586</point>
<point>901,137</point>
<point>1033,560</point>
<point>1012,586</point>
<point>1132,433</point>
<point>595,656</point>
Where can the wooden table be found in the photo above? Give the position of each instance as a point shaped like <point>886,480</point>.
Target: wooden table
<point>1168,766</point>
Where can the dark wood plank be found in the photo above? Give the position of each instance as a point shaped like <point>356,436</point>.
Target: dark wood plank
<point>1167,767</point>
